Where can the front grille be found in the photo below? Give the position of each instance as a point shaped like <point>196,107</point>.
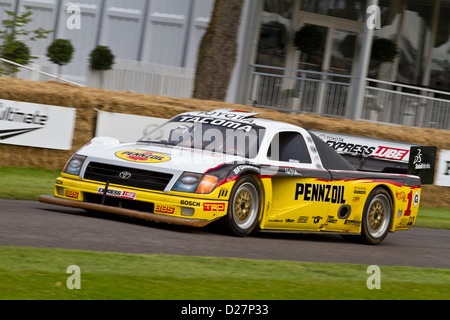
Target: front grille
<point>119,203</point>
<point>144,179</point>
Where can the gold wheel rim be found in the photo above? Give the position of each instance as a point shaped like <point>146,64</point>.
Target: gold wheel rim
<point>376,215</point>
<point>243,205</point>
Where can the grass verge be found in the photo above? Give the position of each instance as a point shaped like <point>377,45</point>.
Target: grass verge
<point>26,183</point>
<point>436,218</point>
<point>41,274</point>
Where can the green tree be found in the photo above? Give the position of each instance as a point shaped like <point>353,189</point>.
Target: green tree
<point>18,52</point>
<point>14,27</point>
<point>384,50</point>
<point>309,39</point>
<point>60,52</point>
<point>101,59</point>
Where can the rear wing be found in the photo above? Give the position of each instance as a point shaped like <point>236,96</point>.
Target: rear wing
<point>368,154</point>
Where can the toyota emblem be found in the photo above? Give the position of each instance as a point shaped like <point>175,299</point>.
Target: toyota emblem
<point>125,175</point>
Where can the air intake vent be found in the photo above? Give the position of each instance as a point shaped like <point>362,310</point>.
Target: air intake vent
<point>129,177</point>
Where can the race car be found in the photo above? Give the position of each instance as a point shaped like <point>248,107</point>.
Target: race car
<point>245,172</point>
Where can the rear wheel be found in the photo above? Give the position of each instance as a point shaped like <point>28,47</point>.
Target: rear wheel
<point>244,207</point>
<point>377,216</point>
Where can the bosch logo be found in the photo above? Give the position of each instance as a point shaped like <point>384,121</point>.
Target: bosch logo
<point>125,175</point>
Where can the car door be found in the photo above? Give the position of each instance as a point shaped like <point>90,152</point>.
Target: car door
<point>300,187</point>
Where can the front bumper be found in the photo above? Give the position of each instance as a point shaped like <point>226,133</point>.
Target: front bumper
<point>124,212</point>
<point>174,207</point>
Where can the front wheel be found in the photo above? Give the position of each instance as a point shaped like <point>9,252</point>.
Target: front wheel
<point>377,216</point>
<point>244,207</point>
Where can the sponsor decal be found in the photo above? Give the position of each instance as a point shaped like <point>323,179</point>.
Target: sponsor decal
<point>418,161</point>
<point>289,220</point>
<point>292,172</point>
<point>320,192</point>
<point>243,167</point>
<point>317,219</point>
<point>117,193</point>
<point>416,199</point>
<point>408,221</point>
<point>360,190</point>
<point>411,221</point>
<point>332,219</point>
<point>411,200</point>
<point>241,115</point>
<point>190,203</point>
<point>302,219</point>
<point>71,194</point>
<point>422,163</point>
<point>213,206</point>
<point>218,122</point>
<point>160,208</point>
<point>268,206</point>
<point>142,156</point>
<point>351,147</point>
<point>400,196</point>
<point>390,153</point>
<point>383,149</point>
<point>276,220</point>
<point>353,222</point>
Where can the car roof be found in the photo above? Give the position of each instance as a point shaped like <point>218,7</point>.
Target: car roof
<point>242,116</point>
<point>330,158</point>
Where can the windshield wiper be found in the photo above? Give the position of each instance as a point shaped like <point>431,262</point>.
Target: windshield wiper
<point>154,142</point>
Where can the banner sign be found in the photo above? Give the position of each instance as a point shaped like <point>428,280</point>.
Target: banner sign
<point>374,148</point>
<point>125,127</point>
<point>443,169</point>
<point>384,155</point>
<point>36,125</point>
<point>422,163</point>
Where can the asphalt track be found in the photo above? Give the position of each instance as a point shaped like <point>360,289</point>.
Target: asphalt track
<point>34,224</point>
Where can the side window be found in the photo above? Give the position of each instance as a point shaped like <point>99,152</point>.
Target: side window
<point>289,147</point>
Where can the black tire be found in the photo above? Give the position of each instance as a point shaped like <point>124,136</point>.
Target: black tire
<point>377,216</point>
<point>244,207</point>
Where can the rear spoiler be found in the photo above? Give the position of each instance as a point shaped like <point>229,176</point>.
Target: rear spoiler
<point>368,154</point>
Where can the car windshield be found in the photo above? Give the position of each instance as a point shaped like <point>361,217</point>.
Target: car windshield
<point>209,134</point>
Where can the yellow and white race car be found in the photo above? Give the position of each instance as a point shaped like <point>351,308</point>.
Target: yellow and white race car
<point>249,173</point>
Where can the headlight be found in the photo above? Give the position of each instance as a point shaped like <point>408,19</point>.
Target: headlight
<point>74,165</point>
<point>187,182</point>
<point>207,185</point>
<point>194,182</point>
